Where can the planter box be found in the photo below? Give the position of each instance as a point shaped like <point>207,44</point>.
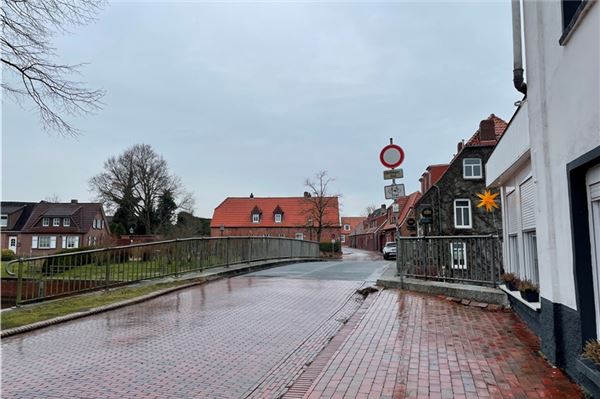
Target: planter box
<point>511,286</point>
<point>530,296</point>
<point>590,370</point>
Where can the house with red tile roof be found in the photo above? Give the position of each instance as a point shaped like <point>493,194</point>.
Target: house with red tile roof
<point>398,213</point>
<point>291,217</point>
<point>36,229</point>
<point>349,225</point>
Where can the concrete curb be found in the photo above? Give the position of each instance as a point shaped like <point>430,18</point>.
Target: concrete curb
<point>197,280</point>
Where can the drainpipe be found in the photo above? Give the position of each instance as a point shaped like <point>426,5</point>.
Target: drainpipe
<point>518,72</point>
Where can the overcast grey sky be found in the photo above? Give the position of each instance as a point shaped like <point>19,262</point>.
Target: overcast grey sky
<point>255,97</point>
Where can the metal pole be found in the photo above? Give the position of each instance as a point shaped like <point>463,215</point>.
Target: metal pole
<point>19,283</point>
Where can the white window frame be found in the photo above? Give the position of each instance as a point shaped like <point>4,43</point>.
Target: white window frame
<point>462,208</point>
<point>66,222</point>
<point>3,220</point>
<point>55,222</point>
<point>299,236</point>
<point>343,237</point>
<point>45,222</point>
<point>346,227</point>
<point>530,254</point>
<point>470,167</point>
<point>72,242</point>
<point>256,218</point>
<point>278,218</point>
<point>458,247</point>
<point>41,242</point>
<point>513,254</point>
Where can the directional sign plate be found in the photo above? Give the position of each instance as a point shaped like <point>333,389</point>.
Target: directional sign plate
<point>394,191</point>
<point>393,174</point>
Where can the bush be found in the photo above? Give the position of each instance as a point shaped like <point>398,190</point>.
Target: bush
<point>528,286</point>
<point>8,254</point>
<point>591,350</point>
<point>327,246</point>
<point>509,277</point>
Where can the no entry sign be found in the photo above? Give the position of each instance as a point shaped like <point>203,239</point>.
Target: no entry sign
<point>391,156</point>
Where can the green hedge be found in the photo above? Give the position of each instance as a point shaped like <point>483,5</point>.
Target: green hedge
<point>8,254</point>
<point>326,246</point>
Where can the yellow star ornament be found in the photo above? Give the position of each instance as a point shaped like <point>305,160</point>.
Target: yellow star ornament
<point>488,200</point>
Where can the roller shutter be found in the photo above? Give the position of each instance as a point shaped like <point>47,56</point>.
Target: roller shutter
<point>528,204</point>
<point>511,211</point>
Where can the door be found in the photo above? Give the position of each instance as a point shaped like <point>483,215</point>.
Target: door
<point>12,244</point>
<point>593,190</point>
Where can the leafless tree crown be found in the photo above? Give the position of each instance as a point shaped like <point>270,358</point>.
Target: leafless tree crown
<point>28,27</point>
<point>321,201</point>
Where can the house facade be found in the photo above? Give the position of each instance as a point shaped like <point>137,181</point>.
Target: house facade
<point>451,201</point>
<point>349,225</point>
<point>290,217</point>
<point>547,168</point>
<point>36,229</point>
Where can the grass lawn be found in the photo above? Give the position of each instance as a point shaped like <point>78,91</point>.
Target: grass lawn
<point>44,311</point>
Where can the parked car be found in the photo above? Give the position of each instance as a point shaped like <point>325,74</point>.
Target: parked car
<point>389,250</point>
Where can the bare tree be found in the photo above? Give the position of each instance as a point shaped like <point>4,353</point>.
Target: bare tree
<point>54,198</point>
<point>27,55</point>
<point>135,181</point>
<point>321,202</point>
<point>369,209</point>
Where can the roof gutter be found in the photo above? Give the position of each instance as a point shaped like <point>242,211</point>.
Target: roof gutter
<point>518,72</point>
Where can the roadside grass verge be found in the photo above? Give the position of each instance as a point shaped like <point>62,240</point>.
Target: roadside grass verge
<point>61,307</point>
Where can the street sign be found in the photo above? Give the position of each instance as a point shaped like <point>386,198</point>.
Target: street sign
<point>391,156</point>
<point>393,174</point>
<point>410,221</point>
<point>394,191</point>
<point>427,212</point>
<point>395,207</point>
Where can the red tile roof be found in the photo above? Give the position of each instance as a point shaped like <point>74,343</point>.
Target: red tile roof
<point>353,221</point>
<point>499,128</point>
<point>237,212</point>
<point>410,203</point>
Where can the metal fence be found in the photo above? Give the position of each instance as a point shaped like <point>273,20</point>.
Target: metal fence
<point>51,276</point>
<point>468,259</point>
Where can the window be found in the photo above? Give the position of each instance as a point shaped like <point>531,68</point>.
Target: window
<point>255,218</point>
<point>281,235</point>
<point>570,10</point>
<point>531,259</point>
<point>343,238</point>
<point>458,254</point>
<point>278,218</point>
<point>299,236</point>
<point>44,242</point>
<point>3,220</point>
<point>472,168</point>
<point>46,222</point>
<point>513,255</point>
<point>73,242</point>
<point>346,227</point>
<point>462,214</point>
<point>66,222</point>
<point>102,223</point>
<point>91,241</point>
<point>55,222</point>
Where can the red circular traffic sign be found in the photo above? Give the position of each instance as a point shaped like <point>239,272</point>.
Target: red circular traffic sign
<point>391,156</point>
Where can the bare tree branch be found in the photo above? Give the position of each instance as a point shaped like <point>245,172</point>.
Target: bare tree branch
<point>321,202</point>
<point>28,26</point>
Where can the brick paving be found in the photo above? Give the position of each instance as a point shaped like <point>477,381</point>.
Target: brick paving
<point>232,338</point>
<point>410,345</point>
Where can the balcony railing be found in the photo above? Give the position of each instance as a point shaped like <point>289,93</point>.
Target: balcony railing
<point>46,277</point>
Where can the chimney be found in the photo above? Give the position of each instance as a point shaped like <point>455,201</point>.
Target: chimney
<point>383,206</point>
<point>251,195</point>
<point>307,194</point>
<point>459,147</point>
<point>74,201</point>
<point>487,130</point>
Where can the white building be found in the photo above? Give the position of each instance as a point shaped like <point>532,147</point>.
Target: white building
<point>547,167</point>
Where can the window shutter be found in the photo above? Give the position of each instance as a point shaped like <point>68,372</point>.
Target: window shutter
<point>64,241</point>
<point>34,242</point>
<point>511,210</point>
<point>528,205</point>
<point>595,191</point>
<point>76,242</point>
<point>53,242</point>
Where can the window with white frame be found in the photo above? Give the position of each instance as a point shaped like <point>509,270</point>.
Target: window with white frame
<point>346,227</point>
<point>255,217</point>
<point>343,238</point>
<point>513,254</point>
<point>299,236</point>
<point>278,218</point>
<point>530,254</point>
<point>91,241</point>
<point>462,214</point>
<point>72,242</point>
<point>44,242</point>
<point>472,168</point>
<point>458,255</point>
<point>3,220</point>
<point>55,222</point>
<point>46,222</point>
<point>66,222</point>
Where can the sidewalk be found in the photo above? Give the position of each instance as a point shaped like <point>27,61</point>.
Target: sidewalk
<point>410,345</point>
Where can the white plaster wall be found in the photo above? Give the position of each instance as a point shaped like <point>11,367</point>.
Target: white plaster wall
<point>563,99</point>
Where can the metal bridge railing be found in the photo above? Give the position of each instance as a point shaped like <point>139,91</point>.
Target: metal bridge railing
<point>467,259</point>
<point>45,277</point>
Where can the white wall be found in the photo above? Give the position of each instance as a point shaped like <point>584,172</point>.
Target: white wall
<point>563,99</point>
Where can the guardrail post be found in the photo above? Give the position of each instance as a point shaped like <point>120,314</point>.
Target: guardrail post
<point>106,275</point>
<point>19,283</point>
<point>226,251</point>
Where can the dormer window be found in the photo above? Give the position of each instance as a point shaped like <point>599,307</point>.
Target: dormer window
<point>66,222</point>
<point>55,222</point>
<point>3,220</point>
<point>46,222</point>
<point>278,214</point>
<point>255,217</point>
<point>278,218</point>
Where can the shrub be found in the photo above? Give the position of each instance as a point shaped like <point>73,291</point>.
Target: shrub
<point>591,350</point>
<point>327,246</point>
<point>8,254</point>
<point>509,277</point>
<point>528,286</point>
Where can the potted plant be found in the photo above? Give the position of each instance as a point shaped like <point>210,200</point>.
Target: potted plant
<point>589,362</point>
<point>529,291</point>
<point>511,281</point>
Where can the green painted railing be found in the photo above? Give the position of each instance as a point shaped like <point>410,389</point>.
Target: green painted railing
<point>46,277</point>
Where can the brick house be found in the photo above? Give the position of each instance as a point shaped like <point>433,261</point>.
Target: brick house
<point>36,229</point>
<point>274,217</point>
<point>453,197</point>
<point>402,209</point>
<point>369,235</point>
<point>349,225</point>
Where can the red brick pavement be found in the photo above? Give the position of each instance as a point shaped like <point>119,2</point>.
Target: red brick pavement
<point>417,346</point>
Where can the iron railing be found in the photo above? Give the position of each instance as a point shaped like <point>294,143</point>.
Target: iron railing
<point>467,259</point>
<point>45,277</point>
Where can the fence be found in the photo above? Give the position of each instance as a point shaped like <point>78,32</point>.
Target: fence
<point>46,277</point>
<point>469,259</point>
